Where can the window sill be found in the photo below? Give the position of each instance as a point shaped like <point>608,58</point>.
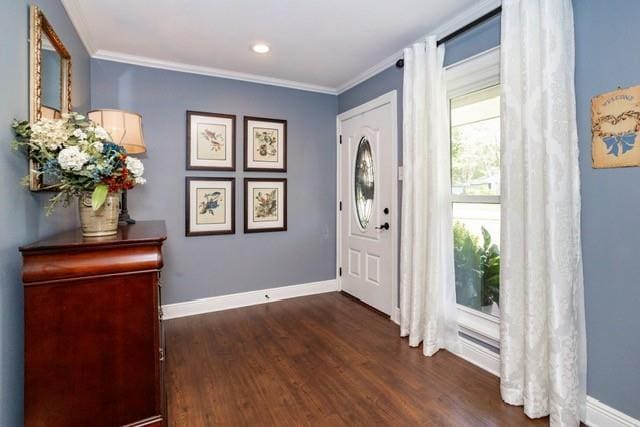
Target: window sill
<point>479,325</point>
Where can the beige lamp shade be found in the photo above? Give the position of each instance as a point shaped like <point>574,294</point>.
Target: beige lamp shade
<point>49,113</point>
<point>124,127</point>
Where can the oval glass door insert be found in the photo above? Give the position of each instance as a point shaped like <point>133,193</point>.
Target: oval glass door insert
<point>364,182</point>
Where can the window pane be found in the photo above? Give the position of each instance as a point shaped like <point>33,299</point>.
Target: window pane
<point>476,248</point>
<point>475,143</point>
<point>364,185</point>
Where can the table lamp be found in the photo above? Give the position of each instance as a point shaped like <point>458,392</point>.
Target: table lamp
<point>125,129</point>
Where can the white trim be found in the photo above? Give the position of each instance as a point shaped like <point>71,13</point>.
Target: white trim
<point>395,315</point>
<point>369,72</point>
<point>601,415</point>
<point>474,73</point>
<point>244,299</point>
<point>469,15</point>
<point>388,98</point>
<point>482,199</point>
<point>480,356</point>
<point>208,71</point>
<point>76,15</point>
<point>479,325</point>
<point>598,414</point>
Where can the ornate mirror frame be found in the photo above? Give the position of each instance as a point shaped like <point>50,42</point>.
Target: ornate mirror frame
<point>38,24</point>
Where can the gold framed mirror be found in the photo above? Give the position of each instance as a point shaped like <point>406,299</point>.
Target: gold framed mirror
<point>49,81</point>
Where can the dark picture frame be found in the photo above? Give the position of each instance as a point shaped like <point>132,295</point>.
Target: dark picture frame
<point>190,144</point>
<point>249,144</point>
<point>231,199</point>
<point>249,201</point>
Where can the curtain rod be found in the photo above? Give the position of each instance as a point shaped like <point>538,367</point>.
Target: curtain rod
<point>462,30</point>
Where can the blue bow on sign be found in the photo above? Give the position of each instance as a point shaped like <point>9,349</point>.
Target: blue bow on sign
<point>616,142</point>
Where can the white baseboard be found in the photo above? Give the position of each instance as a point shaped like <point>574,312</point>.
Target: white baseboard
<point>395,315</point>
<point>244,299</point>
<point>598,414</point>
<point>601,415</point>
<point>480,356</point>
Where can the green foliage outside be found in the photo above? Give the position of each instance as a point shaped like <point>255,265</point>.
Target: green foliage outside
<point>477,268</point>
<point>475,156</point>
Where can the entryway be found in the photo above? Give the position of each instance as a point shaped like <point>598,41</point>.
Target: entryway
<point>368,220</point>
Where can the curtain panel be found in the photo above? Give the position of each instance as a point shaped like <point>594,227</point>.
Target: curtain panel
<point>543,350</point>
<point>427,291</point>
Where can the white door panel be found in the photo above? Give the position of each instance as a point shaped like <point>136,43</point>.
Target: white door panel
<point>366,191</point>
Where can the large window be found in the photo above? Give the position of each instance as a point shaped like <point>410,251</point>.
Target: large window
<point>474,98</point>
<point>475,187</point>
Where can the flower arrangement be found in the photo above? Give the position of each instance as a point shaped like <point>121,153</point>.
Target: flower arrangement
<point>80,156</point>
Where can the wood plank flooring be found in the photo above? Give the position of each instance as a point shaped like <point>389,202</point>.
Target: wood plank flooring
<point>322,360</point>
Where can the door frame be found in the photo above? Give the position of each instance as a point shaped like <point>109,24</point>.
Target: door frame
<point>392,99</point>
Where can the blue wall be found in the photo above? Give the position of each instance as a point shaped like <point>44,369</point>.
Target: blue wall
<point>21,217</point>
<point>207,266</point>
<point>607,56</point>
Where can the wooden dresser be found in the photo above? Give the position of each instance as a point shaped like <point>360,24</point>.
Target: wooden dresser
<point>93,331</point>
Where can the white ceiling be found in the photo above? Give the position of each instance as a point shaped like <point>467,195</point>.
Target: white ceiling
<point>321,45</point>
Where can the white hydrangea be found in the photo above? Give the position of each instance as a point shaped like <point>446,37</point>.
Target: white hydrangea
<point>78,133</point>
<point>50,134</point>
<point>135,166</point>
<point>72,159</point>
<point>140,180</point>
<point>101,133</point>
<point>98,146</point>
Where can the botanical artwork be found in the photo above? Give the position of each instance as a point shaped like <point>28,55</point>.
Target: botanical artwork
<point>615,128</point>
<point>265,144</point>
<point>210,206</point>
<point>210,141</point>
<point>265,206</point>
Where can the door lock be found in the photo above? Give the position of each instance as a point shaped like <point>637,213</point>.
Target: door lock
<point>386,211</point>
<point>384,226</point>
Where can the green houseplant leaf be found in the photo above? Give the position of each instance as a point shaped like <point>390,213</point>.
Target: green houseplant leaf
<point>99,196</point>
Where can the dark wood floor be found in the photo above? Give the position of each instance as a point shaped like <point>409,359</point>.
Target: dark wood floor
<point>320,360</point>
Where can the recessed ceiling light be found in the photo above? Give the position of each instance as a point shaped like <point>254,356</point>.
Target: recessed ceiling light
<point>260,48</point>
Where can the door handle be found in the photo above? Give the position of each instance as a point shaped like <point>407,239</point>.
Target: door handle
<point>384,226</point>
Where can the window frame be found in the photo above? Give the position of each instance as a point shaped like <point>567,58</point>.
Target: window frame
<point>473,74</point>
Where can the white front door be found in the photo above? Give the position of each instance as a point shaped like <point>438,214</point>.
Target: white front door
<point>367,180</point>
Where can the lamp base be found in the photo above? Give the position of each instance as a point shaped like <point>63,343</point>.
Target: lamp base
<point>124,218</point>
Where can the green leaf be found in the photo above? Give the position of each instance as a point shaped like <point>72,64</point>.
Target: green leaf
<point>99,196</point>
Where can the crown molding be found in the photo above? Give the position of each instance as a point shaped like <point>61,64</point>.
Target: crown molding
<point>208,71</point>
<point>469,15</point>
<point>369,72</point>
<point>76,15</point>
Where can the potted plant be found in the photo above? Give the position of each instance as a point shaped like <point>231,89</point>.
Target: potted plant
<point>85,164</point>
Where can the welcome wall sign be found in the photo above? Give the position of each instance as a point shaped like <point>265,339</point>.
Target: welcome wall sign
<point>615,124</point>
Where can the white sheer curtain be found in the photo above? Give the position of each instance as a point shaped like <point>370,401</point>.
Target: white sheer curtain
<point>543,357</point>
<point>427,291</point>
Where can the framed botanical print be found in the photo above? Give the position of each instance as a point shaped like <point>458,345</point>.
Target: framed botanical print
<point>210,206</point>
<point>265,145</point>
<point>265,205</point>
<point>211,141</point>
